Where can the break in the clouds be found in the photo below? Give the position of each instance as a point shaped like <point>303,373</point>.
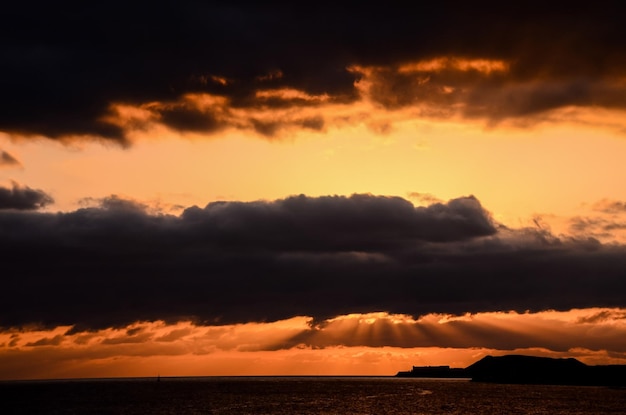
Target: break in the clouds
<point>23,198</point>
<point>107,69</point>
<point>301,256</point>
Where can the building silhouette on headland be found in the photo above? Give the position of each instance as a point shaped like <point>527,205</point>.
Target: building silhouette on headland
<point>433,372</point>
<point>518,369</point>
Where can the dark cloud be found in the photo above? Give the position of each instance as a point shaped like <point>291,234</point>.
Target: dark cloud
<point>62,68</point>
<point>113,202</point>
<point>271,128</point>
<point>264,261</point>
<point>189,119</point>
<point>496,95</point>
<point>23,198</point>
<point>8,160</point>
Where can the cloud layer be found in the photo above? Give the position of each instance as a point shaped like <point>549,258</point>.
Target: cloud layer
<point>301,256</point>
<point>591,329</point>
<point>66,74</point>
<point>374,343</point>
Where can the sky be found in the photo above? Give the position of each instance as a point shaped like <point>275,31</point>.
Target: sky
<point>212,188</point>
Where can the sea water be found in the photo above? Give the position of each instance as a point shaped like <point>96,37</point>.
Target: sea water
<point>302,395</point>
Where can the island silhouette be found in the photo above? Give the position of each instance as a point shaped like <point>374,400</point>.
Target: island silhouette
<point>520,369</point>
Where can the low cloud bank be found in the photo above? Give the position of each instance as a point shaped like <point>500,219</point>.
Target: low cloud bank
<point>301,256</point>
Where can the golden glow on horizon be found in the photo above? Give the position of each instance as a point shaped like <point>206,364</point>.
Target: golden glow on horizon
<point>538,147</point>
<point>366,344</point>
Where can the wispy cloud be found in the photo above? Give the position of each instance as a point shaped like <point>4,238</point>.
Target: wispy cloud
<point>7,160</point>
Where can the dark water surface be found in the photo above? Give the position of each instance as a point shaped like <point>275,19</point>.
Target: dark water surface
<point>302,395</point>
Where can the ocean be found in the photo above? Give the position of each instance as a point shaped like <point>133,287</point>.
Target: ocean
<point>302,395</point>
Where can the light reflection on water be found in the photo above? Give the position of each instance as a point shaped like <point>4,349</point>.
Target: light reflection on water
<point>302,395</point>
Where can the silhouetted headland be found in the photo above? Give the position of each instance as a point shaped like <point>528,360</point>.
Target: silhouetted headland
<point>518,369</point>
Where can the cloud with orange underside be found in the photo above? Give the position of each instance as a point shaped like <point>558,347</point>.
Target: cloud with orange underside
<point>447,87</point>
<point>373,343</point>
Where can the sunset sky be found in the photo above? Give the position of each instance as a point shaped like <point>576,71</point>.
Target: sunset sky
<point>215,189</point>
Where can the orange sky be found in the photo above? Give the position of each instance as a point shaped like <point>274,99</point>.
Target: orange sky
<point>545,174</point>
<point>555,170</point>
<point>359,344</point>
<point>529,129</point>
